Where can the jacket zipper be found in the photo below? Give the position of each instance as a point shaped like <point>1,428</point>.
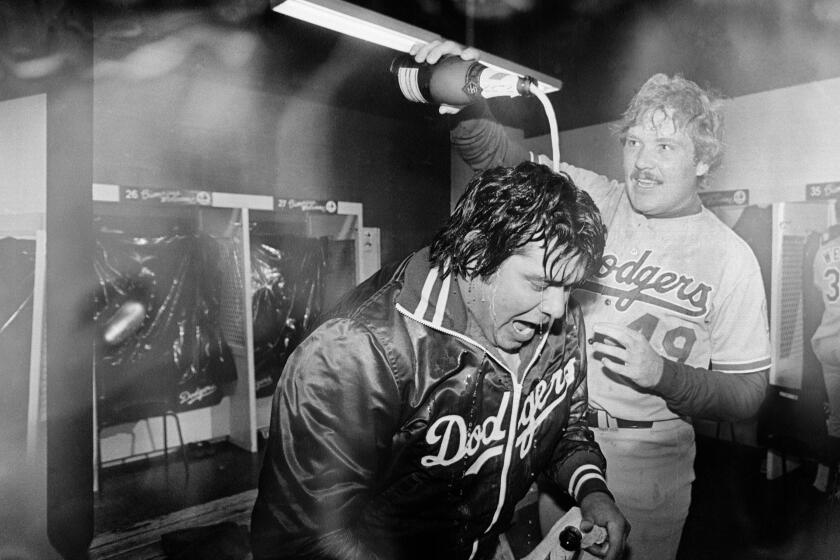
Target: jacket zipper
<point>514,412</point>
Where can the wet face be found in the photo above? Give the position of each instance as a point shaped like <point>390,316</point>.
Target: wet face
<point>660,170</point>
<point>518,301</point>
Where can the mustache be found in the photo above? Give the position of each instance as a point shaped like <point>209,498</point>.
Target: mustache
<point>643,176</point>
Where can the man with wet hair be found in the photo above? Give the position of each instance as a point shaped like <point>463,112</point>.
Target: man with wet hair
<point>415,417</point>
<point>677,310</point>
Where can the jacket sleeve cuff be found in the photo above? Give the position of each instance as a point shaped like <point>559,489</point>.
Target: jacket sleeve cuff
<point>586,479</point>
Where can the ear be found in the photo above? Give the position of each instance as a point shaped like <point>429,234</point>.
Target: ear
<point>701,168</point>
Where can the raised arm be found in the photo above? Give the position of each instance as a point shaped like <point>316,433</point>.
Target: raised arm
<point>482,141</point>
<point>475,133</point>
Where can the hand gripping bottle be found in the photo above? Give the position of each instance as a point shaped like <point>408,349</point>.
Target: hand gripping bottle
<point>565,540</point>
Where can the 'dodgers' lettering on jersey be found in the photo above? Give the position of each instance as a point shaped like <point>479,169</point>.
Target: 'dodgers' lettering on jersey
<point>487,439</point>
<point>641,278</point>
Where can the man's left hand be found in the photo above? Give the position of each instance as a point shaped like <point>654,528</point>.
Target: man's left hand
<point>627,353</point>
<point>599,509</point>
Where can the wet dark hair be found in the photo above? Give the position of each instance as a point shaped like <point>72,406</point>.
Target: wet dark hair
<point>505,208</point>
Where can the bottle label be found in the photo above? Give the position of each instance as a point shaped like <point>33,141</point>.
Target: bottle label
<point>413,78</point>
<point>472,81</point>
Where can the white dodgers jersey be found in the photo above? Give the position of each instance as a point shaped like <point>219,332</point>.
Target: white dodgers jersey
<point>690,285</point>
<point>826,270</point>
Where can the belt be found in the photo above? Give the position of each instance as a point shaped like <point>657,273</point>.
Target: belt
<point>602,419</point>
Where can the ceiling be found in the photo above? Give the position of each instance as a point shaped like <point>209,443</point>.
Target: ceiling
<point>602,50</point>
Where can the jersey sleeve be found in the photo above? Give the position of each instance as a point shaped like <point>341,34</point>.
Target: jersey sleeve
<point>740,340</point>
<point>711,395</point>
<point>483,142</point>
<point>333,416</point>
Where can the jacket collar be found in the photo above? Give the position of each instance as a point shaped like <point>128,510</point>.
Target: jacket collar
<point>430,299</point>
<point>437,302</point>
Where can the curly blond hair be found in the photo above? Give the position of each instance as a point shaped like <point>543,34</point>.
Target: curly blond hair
<point>696,110</point>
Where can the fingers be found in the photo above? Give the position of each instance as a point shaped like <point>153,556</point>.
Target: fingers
<point>617,353</point>
<point>628,353</point>
<point>445,109</point>
<point>470,53</point>
<point>612,547</point>
<point>608,527</point>
<point>616,360</point>
<point>620,334</point>
<point>600,542</point>
<point>599,550</point>
<point>433,51</point>
<point>617,540</point>
<point>619,368</point>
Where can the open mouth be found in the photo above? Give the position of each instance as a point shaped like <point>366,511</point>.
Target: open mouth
<point>525,329</point>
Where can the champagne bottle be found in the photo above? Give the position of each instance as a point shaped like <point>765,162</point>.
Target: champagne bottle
<point>454,81</point>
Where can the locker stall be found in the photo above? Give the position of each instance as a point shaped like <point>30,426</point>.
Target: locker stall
<point>792,422</point>
<point>272,266</point>
<point>793,222</point>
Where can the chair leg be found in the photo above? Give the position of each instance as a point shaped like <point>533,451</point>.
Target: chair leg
<point>832,484</point>
<point>181,440</point>
<point>165,441</point>
<point>784,464</point>
<point>99,458</point>
<point>784,480</point>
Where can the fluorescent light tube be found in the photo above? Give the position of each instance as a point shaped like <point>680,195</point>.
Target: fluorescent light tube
<point>374,27</point>
<point>358,22</point>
